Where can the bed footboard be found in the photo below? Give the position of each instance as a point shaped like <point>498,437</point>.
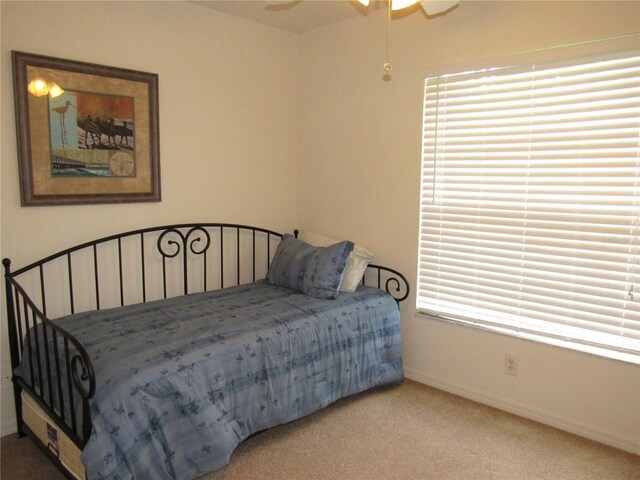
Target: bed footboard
<point>62,373</point>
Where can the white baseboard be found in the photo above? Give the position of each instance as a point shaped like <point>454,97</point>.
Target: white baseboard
<point>529,411</point>
<point>7,428</point>
<point>9,424</point>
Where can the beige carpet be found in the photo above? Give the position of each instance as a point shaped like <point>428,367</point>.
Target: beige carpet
<point>409,431</point>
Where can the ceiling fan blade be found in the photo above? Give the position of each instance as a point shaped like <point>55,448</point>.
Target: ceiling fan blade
<point>433,7</point>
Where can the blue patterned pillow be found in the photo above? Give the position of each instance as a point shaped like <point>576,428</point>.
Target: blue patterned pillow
<point>315,271</point>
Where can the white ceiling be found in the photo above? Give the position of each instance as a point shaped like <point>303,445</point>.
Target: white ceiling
<point>295,16</point>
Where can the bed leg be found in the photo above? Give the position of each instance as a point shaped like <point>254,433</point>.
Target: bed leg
<point>13,344</point>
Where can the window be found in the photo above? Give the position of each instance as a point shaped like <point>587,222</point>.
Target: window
<point>530,202</point>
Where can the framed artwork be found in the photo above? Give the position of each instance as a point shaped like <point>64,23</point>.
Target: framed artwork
<point>86,133</point>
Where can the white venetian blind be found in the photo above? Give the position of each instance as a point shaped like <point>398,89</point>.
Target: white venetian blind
<point>530,202</point>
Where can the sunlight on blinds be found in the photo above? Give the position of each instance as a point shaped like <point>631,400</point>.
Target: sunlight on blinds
<point>530,202</point>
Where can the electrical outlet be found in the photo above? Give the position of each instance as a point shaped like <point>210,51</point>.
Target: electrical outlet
<point>511,364</point>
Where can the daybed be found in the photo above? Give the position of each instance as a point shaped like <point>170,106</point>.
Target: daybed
<point>152,354</point>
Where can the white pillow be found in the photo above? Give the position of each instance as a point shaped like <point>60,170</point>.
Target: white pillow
<point>356,264</point>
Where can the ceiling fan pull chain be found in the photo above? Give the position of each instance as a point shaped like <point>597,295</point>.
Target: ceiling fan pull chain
<point>387,65</point>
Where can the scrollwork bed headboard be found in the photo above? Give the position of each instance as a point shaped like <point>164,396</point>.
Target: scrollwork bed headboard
<point>160,262</point>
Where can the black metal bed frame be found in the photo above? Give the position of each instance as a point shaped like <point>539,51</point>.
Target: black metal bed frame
<point>118,270</point>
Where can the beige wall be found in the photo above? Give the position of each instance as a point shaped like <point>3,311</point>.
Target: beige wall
<point>228,143</point>
<point>313,111</point>
<point>360,166</point>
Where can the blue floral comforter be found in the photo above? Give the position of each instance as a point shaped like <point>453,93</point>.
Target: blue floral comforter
<point>181,382</point>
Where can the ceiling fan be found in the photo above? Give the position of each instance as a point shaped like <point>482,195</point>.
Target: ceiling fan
<point>431,7</point>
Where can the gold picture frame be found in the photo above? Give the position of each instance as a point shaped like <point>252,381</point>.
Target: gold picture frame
<point>86,133</point>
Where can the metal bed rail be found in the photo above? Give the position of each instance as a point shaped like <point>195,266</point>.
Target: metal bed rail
<point>58,357</point>
<point>132,267</point>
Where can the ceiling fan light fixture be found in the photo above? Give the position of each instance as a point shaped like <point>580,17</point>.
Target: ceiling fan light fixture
<point>432,7</point>
<point>395,4</point>
<point>400,4</point>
